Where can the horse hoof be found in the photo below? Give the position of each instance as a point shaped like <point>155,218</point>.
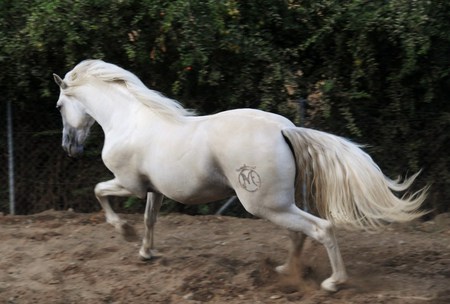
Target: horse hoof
<point>329,285</point>
<point>128,232</point>
<point>147,255</point>
<point>282,269</point>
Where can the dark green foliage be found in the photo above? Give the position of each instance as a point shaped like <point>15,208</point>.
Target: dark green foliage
<point>385,71</point>
<point>374,71</point>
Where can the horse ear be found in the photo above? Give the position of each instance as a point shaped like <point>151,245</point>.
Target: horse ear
<point>60,82</point>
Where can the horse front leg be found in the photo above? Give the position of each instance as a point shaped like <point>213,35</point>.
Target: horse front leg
<point>154,201</point>
<point>113,188</point>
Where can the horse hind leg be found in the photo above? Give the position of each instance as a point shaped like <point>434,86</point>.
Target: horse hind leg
<point>319,229</point>
<point>113,188</point>
<point>295,251</point>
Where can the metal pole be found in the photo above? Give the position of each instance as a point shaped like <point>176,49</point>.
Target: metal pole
<point>12,203</point>
<point>226,205</point>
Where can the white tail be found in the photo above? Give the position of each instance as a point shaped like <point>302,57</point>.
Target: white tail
<point>345,186</point>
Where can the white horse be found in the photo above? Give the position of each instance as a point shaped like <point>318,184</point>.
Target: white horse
<point>155,148</point>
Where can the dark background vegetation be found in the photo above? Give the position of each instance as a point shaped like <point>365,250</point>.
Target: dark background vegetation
<point>376,72</point>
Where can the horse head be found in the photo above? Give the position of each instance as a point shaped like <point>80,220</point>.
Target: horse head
<point>76,121</point>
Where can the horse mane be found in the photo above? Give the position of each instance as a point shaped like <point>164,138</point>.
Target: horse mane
<point>111,73</point>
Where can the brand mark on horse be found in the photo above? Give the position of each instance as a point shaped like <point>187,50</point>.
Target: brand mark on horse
<point>249,179</point>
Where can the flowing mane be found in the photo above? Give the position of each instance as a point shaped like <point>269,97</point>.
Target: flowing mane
<point>111,73</point>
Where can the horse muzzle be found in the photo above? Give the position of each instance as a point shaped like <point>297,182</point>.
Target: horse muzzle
<point>71,144</point>
<point>74,150</point>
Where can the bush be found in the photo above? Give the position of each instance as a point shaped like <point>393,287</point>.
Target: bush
<point>374,71</point>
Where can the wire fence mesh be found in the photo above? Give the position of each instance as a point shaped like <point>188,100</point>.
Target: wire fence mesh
<point>44,177</point>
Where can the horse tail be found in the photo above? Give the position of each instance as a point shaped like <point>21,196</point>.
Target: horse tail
<point>345,185</point>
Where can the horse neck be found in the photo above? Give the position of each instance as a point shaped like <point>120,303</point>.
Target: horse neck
<point>112,108</point>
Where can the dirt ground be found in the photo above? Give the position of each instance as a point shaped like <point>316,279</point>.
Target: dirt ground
<point>66,257</point>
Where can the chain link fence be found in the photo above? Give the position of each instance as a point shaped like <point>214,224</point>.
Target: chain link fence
<point>43,176</point>
<point>37,175</point>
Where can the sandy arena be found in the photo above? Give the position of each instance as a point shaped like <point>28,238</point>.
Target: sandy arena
<point>67,257</point>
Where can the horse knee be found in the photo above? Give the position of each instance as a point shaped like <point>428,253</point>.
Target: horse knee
<point>98,190</point>
<point>325,234</point>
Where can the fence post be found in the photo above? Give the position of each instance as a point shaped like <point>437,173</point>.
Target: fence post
<point>226,205</point>
<point>12,204</point>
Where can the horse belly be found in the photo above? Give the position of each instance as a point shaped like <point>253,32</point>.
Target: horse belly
<point>196,191</point>
<point>192,180</point>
